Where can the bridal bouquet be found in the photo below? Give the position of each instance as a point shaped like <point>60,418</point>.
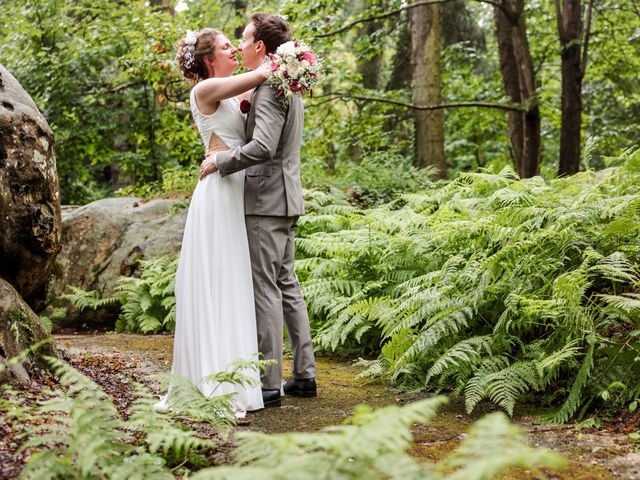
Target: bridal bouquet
<point>294,69</point>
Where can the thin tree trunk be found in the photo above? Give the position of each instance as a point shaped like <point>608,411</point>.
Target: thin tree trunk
<point>369,67</point>
<point>531,146</point>
<point>240,7</point>
<point>401,73</point>
<point>573,54</point>
<point>427,87</point>
<point>511,85</point>
<point>510,16</point>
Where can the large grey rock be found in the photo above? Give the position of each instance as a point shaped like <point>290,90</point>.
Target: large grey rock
<point>20,328</point>
<point>30,221</point>
<point>105,239</point>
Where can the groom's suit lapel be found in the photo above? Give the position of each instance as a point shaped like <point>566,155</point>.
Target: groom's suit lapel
<point>251,100</point>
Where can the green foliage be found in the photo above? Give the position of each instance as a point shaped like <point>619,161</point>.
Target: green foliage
<point>148,303</point>
<point>175,182</point>
<point>82,299</point>
<point>476,458</point>
<point>374,444</point>
<point>54,313</point>
<point>105,79</point>
<point>489,286</point>
<point>470,72</point>
<point>163,435</point>
<point>85,437</point>
<point>187,400</point>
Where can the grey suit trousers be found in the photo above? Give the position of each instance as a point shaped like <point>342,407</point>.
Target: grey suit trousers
<point>278,298</point>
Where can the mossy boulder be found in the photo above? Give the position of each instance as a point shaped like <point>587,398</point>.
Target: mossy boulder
<point>20,329</point>
<point>30,220</point>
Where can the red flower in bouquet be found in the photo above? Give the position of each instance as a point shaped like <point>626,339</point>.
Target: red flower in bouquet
<point>294,69</point>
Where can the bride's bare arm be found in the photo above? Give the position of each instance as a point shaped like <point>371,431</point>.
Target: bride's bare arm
<point>210,91</point>
<point>245,95</point>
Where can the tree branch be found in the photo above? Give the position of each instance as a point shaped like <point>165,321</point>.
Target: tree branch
<point>560,25</point>
<point>348,96</point>
<point>587,36</point>
<point>395,12</point>
<point>379,17</point>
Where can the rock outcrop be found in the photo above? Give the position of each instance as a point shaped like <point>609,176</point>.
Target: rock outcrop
<point>20,329</point>
<point>104,240</point>
<point>30,220</point>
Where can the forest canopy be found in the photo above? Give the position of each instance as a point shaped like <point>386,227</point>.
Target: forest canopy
<point>103,74</point>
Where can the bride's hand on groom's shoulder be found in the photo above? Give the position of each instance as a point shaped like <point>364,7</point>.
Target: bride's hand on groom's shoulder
<point>264,70</point>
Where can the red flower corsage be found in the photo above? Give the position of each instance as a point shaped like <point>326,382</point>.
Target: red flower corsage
<point>245,106</point>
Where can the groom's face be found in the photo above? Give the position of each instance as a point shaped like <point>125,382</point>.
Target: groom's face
<point>252,51</point>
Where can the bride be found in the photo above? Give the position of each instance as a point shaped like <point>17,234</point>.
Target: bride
<point>215,313</point>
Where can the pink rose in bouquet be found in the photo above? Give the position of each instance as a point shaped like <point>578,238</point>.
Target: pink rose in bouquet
<point>294,69</point>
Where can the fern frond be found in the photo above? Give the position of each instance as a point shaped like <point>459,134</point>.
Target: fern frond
<point>493,445</point>
<point>573,401</point>
<point>83,300</point>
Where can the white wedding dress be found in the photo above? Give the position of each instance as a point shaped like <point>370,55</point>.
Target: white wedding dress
<point>215,313</point>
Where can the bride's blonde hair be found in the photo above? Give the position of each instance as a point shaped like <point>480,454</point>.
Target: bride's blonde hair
<point>190,57</point>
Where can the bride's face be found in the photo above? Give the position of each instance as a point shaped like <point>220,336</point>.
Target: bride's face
<point>225,61</point>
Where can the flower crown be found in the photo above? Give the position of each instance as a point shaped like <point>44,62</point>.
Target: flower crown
<point>189,49</point>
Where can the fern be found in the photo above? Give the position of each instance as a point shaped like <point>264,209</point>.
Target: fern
<point>573,401</point>
<point>83,300</point>
<point>162,434</point>
<point>147,303</point>
<point>86,437</point>
<point>374,444</point>
<point>537,269</point>
<point>492,446</point>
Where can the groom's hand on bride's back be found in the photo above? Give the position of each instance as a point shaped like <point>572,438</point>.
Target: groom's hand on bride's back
<point>207,166</point>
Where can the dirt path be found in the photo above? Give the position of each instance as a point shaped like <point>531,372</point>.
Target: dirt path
<point>593,454</point>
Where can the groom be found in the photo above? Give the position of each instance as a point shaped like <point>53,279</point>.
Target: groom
<point>273,202</point>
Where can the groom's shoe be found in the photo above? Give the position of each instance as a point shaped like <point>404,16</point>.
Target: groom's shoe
<point>271,398</point>
<point>301,388</point>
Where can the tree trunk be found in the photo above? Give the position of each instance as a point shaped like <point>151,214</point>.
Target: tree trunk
<point>427,87</point>
<point>369,66</point>
<point>400,74</point>
<point>515,59</point>
<point>511,82</point>
<point>570,30</point>
<point>240,8</point>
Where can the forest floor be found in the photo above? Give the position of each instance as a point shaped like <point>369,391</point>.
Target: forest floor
<point>113,360</point>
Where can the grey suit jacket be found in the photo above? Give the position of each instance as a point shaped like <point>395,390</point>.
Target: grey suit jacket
<point>271,157</point>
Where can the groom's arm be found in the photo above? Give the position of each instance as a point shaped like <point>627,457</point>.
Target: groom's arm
<point>270,114</point>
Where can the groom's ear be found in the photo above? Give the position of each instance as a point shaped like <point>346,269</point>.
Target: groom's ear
<point>261,48</point>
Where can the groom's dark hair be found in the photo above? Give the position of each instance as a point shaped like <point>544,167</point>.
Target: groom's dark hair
<point>273,30</point>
